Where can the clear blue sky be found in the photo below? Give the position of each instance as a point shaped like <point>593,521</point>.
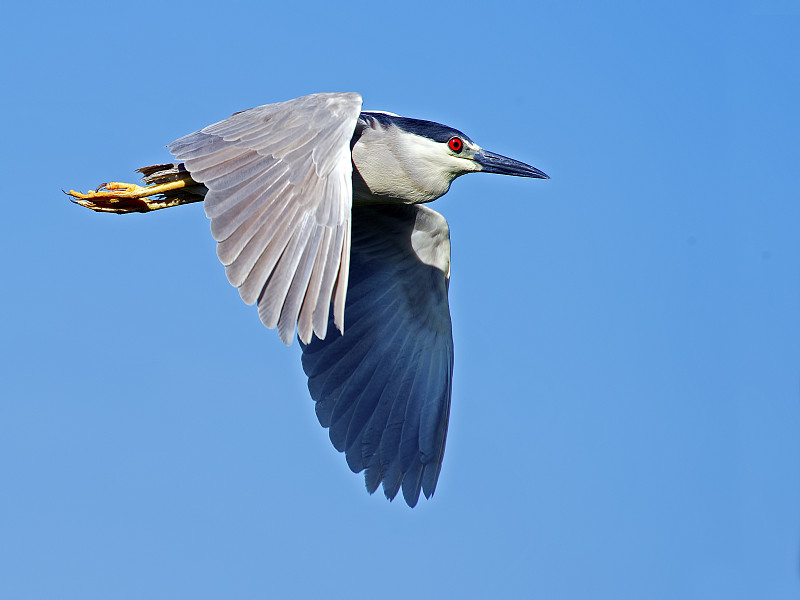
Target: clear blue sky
<point>626,400</point>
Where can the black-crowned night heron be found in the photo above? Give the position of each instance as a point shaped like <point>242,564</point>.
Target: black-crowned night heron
<point>318,212</point>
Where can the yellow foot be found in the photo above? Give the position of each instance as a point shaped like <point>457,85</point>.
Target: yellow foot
<point>119,197</point>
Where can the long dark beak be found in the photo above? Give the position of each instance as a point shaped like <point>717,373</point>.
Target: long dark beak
<point>495,163</point>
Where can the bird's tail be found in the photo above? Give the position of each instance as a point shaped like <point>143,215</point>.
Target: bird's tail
<point>166,185</point>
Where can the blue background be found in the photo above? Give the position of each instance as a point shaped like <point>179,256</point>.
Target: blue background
<point>626,401</point>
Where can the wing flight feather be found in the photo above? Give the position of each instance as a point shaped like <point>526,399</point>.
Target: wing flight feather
<point>279,199</point>
<point>383,388</point>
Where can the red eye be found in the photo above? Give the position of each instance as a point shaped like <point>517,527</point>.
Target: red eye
<point>455,144</point>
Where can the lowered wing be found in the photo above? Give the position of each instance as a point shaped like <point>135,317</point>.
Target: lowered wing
<point>383,388</point>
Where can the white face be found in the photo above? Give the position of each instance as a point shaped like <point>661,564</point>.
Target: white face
<point>453,157</point>
<point>410,168</point>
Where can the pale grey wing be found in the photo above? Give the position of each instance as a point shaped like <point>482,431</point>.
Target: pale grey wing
<point>279,181</point>
<point>383,388</point>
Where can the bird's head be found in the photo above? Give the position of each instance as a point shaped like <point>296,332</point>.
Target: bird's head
<point>417,160</point>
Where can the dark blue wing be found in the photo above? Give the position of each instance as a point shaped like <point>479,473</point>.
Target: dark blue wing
<point>383,388</point>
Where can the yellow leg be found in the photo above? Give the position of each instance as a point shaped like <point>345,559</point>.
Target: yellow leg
<point>128,197</point>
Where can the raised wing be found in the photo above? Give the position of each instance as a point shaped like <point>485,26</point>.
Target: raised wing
<point>383,388</point>
<point>279,181</point>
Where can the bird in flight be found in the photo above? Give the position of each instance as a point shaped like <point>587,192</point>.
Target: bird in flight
<point>318,210</point>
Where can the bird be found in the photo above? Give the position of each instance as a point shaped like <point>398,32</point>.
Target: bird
<point>319,212</point>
